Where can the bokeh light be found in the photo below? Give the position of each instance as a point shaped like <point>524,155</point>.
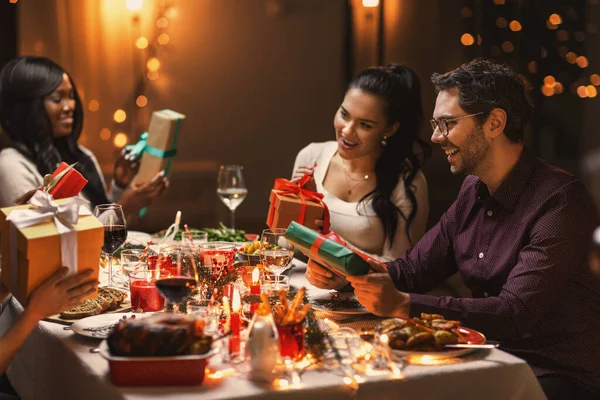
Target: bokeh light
<point>120,116</point>
<point>141,43</point>
<point>134,5</point>
<point>120,140</point>
<point>93,105</point>
<point>467,39</point>
<point>515,26</point>
<point>163,38</point>
<point>104,133</point>
<point>153,64</point>
<point>582,62</point>
<point>141,101</point>
<point>162,22</point>
<point>555,19</point>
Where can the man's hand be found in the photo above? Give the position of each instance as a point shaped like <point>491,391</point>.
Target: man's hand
<point>377,293</point>
<point>323,278</point>
<point>60,293</point>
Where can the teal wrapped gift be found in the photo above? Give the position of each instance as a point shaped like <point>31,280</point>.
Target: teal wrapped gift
<point>328,250</point>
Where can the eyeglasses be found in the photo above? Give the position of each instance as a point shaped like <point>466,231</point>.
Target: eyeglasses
<point>442,124</point>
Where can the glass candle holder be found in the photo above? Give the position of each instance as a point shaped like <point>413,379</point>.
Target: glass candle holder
<point>130,261</point>
<point>143,292</point>
<point>175,256</point>
<point>202,309</point>
<point>218,258</point>
<point>271,285</point>
<point>291,340</point>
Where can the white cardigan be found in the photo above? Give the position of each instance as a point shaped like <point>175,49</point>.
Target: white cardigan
<point>361,227</point>
<point>18,175</point>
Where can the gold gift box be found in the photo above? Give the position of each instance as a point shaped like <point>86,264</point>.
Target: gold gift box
<point>163,132</point>
<point>39,251</point>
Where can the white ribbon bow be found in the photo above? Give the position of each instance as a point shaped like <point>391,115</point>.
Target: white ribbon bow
<point>65,215</point>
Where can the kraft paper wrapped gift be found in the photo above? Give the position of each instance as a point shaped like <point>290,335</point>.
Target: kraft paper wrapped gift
<point>33,249</point>
<point>290,202</point>
<point>157,147</point>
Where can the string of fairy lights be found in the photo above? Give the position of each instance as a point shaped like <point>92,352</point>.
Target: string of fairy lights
<point>149,49</point>
<point>556,58</point>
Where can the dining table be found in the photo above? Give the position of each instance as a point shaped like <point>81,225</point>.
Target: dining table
<point>56,363</point>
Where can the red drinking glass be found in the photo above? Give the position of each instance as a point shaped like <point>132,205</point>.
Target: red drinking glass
<point>291,340</point>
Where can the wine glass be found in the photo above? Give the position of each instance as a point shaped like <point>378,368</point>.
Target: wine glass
<point>275,251</point>
<point>231,188</point>
<point>176,288</point>
<point>115,232</point>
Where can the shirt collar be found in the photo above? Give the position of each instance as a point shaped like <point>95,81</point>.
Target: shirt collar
<point>512,186</point>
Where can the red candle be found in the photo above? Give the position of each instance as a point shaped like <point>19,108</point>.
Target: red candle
<point>145,296</point>
<point>235,325</point>
<point>254,288</point>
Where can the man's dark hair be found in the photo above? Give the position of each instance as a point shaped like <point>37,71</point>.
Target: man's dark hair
<point>483,86</point>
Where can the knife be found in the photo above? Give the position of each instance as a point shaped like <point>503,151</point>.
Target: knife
<point>471,346</point>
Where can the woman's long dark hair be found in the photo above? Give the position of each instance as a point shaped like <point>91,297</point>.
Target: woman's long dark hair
<point>24,81</point>
<point>405,152</point>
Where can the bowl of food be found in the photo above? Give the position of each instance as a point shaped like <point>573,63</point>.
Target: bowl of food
<point>160,350</point>
<point>250,252</point>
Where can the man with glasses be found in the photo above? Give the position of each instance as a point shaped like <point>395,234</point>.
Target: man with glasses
<point>518,233</point>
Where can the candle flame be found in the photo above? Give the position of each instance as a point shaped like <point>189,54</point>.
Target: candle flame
<point>236,303</point>
<point>255,275</point>
<point>226,305</point>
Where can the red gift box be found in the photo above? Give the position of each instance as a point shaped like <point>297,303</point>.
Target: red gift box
<point>69,185</point>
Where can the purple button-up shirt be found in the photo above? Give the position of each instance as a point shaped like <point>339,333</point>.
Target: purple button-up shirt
<point>523,253</point>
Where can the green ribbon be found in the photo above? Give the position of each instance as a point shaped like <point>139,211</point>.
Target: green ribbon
<point>142,146</point>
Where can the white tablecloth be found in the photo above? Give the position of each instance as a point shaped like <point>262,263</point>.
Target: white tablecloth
<point>56,364</point>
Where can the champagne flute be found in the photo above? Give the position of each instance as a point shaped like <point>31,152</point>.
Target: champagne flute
<point>231,188</point>
<point>275,251</point>
<point>115,232</point>
<point>175,289</point>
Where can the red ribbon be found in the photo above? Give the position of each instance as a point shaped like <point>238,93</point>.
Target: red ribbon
<point>316,245</point>
<point>289,188</point>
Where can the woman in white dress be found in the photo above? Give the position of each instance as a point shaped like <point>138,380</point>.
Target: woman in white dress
<point>370,175</point>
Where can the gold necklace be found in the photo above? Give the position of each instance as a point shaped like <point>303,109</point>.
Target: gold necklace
<point>358,181</point>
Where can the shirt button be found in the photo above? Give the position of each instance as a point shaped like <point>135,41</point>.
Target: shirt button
<point>490,213</point>
<point>480,255</point>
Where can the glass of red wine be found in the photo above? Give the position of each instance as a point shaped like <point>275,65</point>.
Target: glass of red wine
<point>175,289</point>
<point>115,232</point>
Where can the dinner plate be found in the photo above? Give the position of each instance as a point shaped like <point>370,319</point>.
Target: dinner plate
<point>101,325</point>
<point>471,337</point>
<point>326,295</point>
